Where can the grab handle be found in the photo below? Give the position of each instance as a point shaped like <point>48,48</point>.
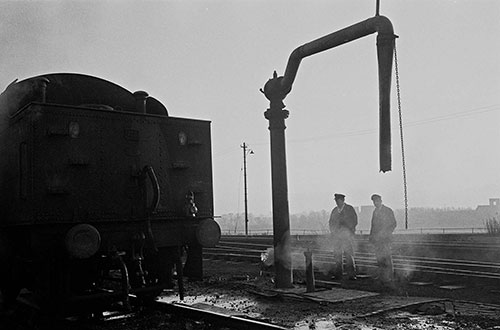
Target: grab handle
<point>148,170</point>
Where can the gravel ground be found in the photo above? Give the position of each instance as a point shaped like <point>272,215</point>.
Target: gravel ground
<point>244,289</point>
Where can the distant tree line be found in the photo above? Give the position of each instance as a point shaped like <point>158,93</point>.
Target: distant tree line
<point>418,217</point>
<point>440,217</point>
<point>235,222</point>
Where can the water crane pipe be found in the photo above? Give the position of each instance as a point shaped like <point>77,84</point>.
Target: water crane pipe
<point>281,86</point>
<point>277,88</point>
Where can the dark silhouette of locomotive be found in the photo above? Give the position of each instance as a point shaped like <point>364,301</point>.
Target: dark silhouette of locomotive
<point>99,185</point>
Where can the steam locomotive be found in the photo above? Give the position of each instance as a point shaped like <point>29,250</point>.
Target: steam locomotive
<point>102,192</point>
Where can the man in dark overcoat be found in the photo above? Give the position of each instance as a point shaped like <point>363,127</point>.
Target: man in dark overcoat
<point>343,221</point>
<point>382,226</point>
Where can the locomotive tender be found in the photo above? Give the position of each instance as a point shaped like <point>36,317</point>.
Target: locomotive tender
<point>96,184</point>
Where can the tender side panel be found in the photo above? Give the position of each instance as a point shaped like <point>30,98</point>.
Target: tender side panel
<point>83,165</point>
<point>89,165</point>
<point>66,160</point>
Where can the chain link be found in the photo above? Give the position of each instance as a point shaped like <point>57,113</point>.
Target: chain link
<point>405,185</point>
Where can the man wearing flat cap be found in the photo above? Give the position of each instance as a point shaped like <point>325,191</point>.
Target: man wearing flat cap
<point>382,226</point>
<point>343,221</point>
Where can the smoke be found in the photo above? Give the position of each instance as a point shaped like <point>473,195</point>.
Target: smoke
<point>267,257</point>
<point>283,253</point>
<point>297,262</point>
<point>322,248</point>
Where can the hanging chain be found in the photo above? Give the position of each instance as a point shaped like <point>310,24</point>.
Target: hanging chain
<point>405,186</point>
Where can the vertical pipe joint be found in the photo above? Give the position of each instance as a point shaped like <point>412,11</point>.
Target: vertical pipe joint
<point>275,91</point>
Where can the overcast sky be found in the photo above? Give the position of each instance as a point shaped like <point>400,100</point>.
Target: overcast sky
<point>208,59</point>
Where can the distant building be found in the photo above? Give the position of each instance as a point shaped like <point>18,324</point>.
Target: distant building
<point>491,210</point>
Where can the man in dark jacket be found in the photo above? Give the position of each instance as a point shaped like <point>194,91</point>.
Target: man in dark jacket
<point>383,224</point>
<point>343,221</point>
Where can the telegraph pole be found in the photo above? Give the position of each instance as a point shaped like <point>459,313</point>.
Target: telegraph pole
<point>244,146</point>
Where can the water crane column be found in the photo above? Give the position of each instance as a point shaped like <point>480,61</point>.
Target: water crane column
<point>281,217</point>
<point>277,88</point>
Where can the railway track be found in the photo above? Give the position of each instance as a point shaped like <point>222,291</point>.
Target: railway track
<point>197,316</point>
<point>421,257</point>
<point>169,316</point>
<point>214,317</point>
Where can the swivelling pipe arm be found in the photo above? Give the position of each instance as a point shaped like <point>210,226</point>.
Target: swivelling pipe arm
<point>277,88</point>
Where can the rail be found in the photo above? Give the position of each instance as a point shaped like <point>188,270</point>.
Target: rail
<point>228,321</point>
<point>257,250</point>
